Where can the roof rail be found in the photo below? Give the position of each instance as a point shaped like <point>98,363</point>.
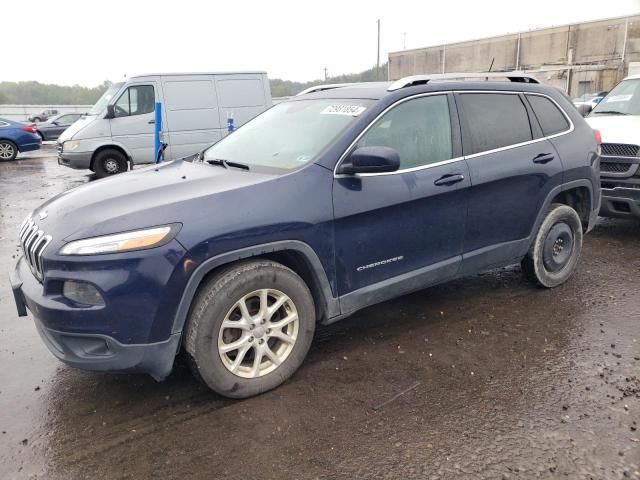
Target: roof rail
<point>515,76</point>
<point>320,88</point>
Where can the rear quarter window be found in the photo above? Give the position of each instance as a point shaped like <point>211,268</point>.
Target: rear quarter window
<point>494,120</point>
<point>551,119</point>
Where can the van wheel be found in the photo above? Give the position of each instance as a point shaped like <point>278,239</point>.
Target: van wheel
<point>109,162</point>
<point>8,150</point>
<point>249,328</point>
<point>554,254</point>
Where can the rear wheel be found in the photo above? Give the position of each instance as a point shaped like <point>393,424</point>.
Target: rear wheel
<point>109,162</point>
<point>8,150</point>
<point>555,251</point>
<point>250,328</point>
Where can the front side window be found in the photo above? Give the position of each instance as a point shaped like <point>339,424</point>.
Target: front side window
<point>551,119</point>
<point>418,129</point>
<point>494,120</point>
<point>135,100</point>
<point>288,135</point>
<point>624,99</point>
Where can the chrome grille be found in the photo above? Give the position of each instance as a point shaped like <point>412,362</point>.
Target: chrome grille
<point>620,150</point>
<point>34,242</point>
<point>616,167</point>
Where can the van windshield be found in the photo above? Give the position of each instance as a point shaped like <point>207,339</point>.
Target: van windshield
<point>103,101</point>
<point>289,135</point>
<point>624,99</point>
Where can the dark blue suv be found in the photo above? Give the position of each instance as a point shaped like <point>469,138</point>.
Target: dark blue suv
<point>335,200</point>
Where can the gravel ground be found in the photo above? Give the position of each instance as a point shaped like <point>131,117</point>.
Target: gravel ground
<point>485,377</point>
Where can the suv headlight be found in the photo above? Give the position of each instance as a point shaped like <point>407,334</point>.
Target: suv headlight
<point>70,145</point>
<point>122,242</point>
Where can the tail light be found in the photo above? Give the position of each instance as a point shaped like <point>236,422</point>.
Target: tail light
<point>596,133</point>
<point>28,128</point>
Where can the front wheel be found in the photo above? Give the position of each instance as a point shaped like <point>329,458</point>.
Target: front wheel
<point>109,162</point>
<point>555,251</point>
<point>250,327</point>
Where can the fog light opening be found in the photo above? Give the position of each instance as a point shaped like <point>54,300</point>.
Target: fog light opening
<point>82,293</point>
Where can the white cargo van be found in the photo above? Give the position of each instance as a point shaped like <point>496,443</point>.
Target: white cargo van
<point>118,132</point>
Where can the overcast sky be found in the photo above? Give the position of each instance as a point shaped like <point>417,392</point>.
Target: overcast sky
<point>86,42</point>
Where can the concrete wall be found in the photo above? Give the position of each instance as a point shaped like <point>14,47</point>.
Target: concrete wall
<point>586,56</point>
<point>19,113</point>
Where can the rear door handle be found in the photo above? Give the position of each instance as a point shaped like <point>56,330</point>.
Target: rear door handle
<point>449,179</point>
<point>151,122</point>
<point>543,158</point>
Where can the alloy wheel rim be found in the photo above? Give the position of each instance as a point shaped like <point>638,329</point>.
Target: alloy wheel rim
<point>258,333</point>
<point>6,151</point>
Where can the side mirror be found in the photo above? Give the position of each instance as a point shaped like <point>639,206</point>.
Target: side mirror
<point>585,109</point>
<point>55,123</point>
<point>371,160</point>
<point>111,112</point>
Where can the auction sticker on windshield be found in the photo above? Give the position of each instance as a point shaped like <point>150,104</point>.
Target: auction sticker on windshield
<point>352,110</point>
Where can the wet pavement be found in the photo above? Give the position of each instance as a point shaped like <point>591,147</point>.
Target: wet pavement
<point>486,377</point>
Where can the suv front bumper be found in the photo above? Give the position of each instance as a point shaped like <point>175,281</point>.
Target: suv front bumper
<point>84,350</point>
<point>620,202</point>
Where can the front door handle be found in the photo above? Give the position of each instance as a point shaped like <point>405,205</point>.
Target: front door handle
<point>543,158</point>
<point>151,122</point>
<point>449,179</point>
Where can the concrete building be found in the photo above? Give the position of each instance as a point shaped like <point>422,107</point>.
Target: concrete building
<point>582,57</point>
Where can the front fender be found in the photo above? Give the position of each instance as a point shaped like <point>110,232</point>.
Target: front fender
<point>331,303</point>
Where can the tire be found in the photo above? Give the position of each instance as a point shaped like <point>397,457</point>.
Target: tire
<point>37,120</point>
<point>219,301</point>
<point>8,150</point>
<point>109,162</point>
<point>555,251</point>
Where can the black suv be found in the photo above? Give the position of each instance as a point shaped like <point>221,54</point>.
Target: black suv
<point>337,199</point>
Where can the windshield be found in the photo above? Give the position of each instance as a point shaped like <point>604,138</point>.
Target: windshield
<point>103,101</point>
<point>288,135</point>
<point>624,99</point>
<point>53,119</point>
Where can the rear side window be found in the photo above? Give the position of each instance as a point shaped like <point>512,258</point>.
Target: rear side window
<point>419,130</point>
<point>551,119</point>
<point>494,120</point>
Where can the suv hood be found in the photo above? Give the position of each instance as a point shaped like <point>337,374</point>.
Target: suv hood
<point>617,128</point>
<point>173,192</point>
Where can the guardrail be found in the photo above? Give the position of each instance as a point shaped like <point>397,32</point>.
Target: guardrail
<point>19,113</point>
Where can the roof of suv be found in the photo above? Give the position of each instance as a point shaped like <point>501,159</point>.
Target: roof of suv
<point>378,90</point>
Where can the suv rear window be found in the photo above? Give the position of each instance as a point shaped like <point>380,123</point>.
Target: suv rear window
<point>551,119</point>
<point>494,120</point>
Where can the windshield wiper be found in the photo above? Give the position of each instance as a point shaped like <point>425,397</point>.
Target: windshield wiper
<point>227,163</point>
<point>610,112</point>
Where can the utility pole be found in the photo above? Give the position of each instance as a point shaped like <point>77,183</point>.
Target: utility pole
<point>325,74</point>
<point>378,57</point>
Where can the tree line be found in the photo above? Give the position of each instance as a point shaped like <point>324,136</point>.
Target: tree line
<point>36,93</point>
